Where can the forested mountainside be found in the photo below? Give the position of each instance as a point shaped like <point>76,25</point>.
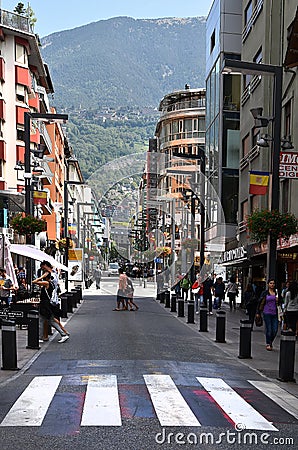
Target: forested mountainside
<point>110,76</point>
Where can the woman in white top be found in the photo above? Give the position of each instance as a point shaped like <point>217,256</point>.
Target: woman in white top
<point>291,307</point>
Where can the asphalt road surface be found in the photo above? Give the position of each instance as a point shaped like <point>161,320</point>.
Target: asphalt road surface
<point>141,380</point>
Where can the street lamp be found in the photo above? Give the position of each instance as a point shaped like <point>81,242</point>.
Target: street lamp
<point>244,67</point>
<point>28,116</point>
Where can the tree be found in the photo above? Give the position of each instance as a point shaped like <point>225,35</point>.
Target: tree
<point>22,11</point>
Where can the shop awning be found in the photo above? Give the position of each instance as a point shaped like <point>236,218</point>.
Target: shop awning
<point>30,251</point>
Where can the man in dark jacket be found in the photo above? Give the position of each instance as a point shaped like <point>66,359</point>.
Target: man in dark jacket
<point>218,292</point>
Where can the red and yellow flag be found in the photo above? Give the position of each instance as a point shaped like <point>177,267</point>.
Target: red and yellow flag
<point>40,197</point>
<point>258,182</point>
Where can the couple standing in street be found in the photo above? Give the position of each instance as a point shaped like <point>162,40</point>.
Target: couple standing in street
<point>125,293</point>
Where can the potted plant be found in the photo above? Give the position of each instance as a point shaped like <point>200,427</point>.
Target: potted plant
<point>62,244</point>
<point>28,224</point>
<point>163,251</point>
<point>262,222</point>
<point>190,243</point>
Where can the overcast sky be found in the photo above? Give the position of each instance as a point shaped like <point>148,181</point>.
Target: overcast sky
<point>57,15</point>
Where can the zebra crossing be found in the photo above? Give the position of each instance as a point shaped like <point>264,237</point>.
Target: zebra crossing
<point>101,404</point>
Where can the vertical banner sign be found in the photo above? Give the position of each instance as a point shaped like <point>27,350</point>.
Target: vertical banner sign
<point>75,264</point>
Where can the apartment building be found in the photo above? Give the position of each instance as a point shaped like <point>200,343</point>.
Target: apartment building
<point>255,32</point>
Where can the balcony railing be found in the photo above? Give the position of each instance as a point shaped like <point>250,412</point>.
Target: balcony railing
<point>186,104</point>
<point>16,21</point>
<point>253,18</point>
<point>250,156</point>
<point>183,135</point>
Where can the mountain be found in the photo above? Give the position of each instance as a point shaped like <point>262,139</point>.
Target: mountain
<point>125,61</point>
<point>110,76</point>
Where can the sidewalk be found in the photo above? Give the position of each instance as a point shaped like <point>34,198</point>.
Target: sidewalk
<point>264,362</point>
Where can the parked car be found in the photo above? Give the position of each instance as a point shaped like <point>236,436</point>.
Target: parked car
<point>113,269</point>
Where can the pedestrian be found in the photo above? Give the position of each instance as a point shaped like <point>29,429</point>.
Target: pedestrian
<point>21,276</point>
<point>45,310</point>
<point>129,291</point>
<point>291,307</point>
<point>218,289</point>
<point>97,276</point>
<point>207,293</point>
<point>198,290</point>
<point>250,303</point>
<point>121,294</point>
<point>185,285</point>
<point>6,288</point>
<point>176,286</point>
<point>232,292</point>
<point>47,268</point>
<point>268,307</point>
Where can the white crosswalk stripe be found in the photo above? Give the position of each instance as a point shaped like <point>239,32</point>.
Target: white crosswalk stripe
<point>283,398</point>
<point>242,414</point>
<point>102,405</point>
<point>31,407</point>
<point>163,394</point>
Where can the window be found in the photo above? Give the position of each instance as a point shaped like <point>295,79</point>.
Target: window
<point>287,118</point>
<point>248,13</point>
<point>245,146</point>
<point>244,210</point>
<point>258,57</point>
<point>21,93</point>
<point>21,54</point>
<point>212,41</point>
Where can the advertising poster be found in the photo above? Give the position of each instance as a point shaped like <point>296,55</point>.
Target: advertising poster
<point>75,264</point>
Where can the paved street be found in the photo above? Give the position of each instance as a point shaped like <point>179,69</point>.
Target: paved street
<point>130,379</point>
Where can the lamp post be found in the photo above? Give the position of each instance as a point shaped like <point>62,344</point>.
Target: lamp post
<point>28,116</point>
<point>245,67</point>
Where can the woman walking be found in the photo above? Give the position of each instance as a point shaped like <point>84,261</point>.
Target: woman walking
<point>291,307</point>
<point>232,292</point>
<point>45,310</point>
<point>268,306</point>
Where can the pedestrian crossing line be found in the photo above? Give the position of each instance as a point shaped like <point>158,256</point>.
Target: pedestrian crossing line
<point>170,407</point>
<point>284,399</point>
<point>101,406</point>
<point>31,407</point>
<point>241,413</point>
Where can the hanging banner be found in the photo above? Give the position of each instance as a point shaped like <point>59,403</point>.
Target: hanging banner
<point>258,182</point>
<point>75,264</point>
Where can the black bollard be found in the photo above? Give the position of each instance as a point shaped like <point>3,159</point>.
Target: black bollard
<point>9,345</point>
<point>167,299</point>
<point>158,296</point>
<point>287,356</point>
<point>33,330</point>
<point>191,311</point>
<point>162,297</point>
<point>245,339</point>
<point>173,302</point>
<point>69,302</point>
<point>80,296</point>
<point>180,307</point>
<point>63,300</point>
<point>203,319</point>
<point>74,298</point>
<point>220,326</point>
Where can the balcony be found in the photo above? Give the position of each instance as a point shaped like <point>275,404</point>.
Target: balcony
<point>250,156</point>
<point>13,20</point>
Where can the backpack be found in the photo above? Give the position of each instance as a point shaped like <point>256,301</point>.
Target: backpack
<point>185,283</point>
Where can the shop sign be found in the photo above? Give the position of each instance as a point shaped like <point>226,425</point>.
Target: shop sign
<point>233,255</point>
<point>288,165</point>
